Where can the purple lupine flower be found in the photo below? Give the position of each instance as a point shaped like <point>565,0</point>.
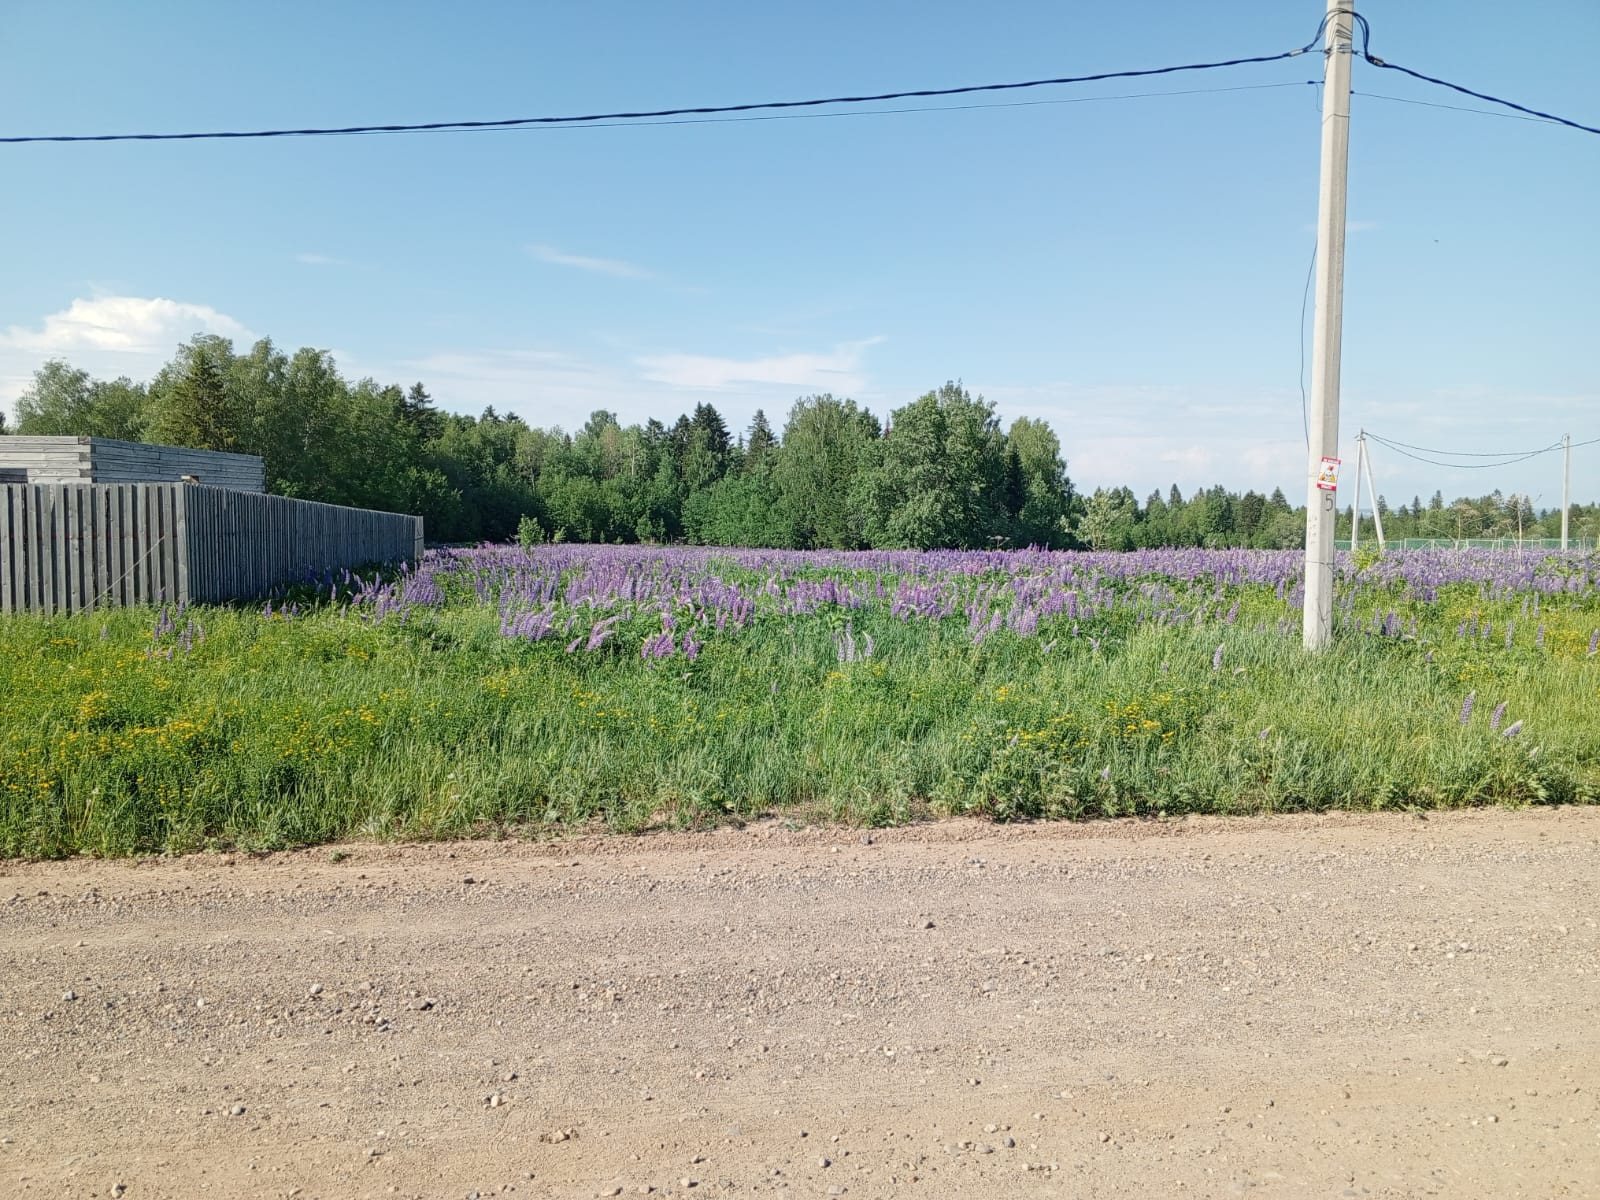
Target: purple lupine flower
<point>1216,659</point>
<point>1511,627</point>
<point>600,631</point>
<point>1466,707</point>
<point>573,644</point>
<point>1594,643</point>
<point>1513,729</point>
<point>1428,657</point>
<point>1262,736</point>
<point>1498,715</point>
<point>1233,614</point>
<point>1538,638</point>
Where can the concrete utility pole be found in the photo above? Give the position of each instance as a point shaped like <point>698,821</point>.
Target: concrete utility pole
<point>1355,505</point>
<point>1566,485</point>
<point>1372,486</point>
<point>1322,472</point>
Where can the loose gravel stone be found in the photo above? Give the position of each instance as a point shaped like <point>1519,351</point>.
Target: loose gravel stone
<point>754,984</point>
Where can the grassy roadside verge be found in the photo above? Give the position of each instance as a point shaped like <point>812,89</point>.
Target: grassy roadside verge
<point>127,734</point>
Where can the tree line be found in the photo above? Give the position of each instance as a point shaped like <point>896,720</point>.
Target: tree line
<point>938,472</point>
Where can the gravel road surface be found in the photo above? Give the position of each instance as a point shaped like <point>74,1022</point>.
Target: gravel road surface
<point>1275,1007</point>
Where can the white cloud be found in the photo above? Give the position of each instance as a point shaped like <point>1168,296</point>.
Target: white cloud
<point>1149,436</point>
<point>555,387</point>
<point>1268,460</point>
<point>836,370</point>
<point>121,324</point>
<point>583,262</point>
<point>1192,461</point>
<point>107,336</point>
<point>544,387</point>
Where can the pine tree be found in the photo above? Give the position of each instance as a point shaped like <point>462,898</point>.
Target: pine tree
<point>760,444</point>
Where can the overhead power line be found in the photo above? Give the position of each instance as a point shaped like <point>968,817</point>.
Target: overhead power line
<point>665,115</point>
<point>914,108</point>
<point>1456,453</point>
<point>1305,297</point>
<point>1511,458</point>
<point>1532,113</point>
<point>1384,65</point>
<point>654,114</point>
<point>1461,108</point>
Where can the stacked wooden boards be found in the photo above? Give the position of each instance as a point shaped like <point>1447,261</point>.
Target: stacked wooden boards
<point>107,460</point>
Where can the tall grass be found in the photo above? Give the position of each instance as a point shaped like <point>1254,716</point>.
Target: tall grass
<point>123,733</point>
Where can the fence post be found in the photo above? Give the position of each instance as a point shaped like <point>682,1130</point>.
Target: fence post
<point>180,510</point>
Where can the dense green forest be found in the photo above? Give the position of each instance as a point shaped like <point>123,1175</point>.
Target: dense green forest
<point>939,472</point>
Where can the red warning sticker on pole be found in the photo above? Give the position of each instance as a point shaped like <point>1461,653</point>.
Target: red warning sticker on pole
<point>1328,477</point>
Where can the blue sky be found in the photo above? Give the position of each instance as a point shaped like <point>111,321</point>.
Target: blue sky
<point>1129,269</point>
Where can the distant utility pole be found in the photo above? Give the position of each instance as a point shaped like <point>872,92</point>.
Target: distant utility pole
<point>1372,486</point>
<point>1323,471</point>
<point>1364,462</point>
<point>1566,485</point>
<point>1355,505</point>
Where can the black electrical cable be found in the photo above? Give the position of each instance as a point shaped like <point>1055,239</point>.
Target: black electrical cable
<point>1482,112</point>
<point>645,115</point>
<point>1384,65</point>
<point>1456,453</point>
<point>1305,296</point>
<point>916,108</point>
<point>1433,462</point>
<point>601,119</point>
<point>1466,91</point>
<point>1462,466</point>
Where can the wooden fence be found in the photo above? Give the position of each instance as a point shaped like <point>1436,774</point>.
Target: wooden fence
<point>69,547</point>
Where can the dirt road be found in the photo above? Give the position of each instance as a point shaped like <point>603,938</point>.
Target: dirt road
<point>1369,1006</point>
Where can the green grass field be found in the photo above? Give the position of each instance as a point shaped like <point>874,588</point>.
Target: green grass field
<point>123,734</point>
